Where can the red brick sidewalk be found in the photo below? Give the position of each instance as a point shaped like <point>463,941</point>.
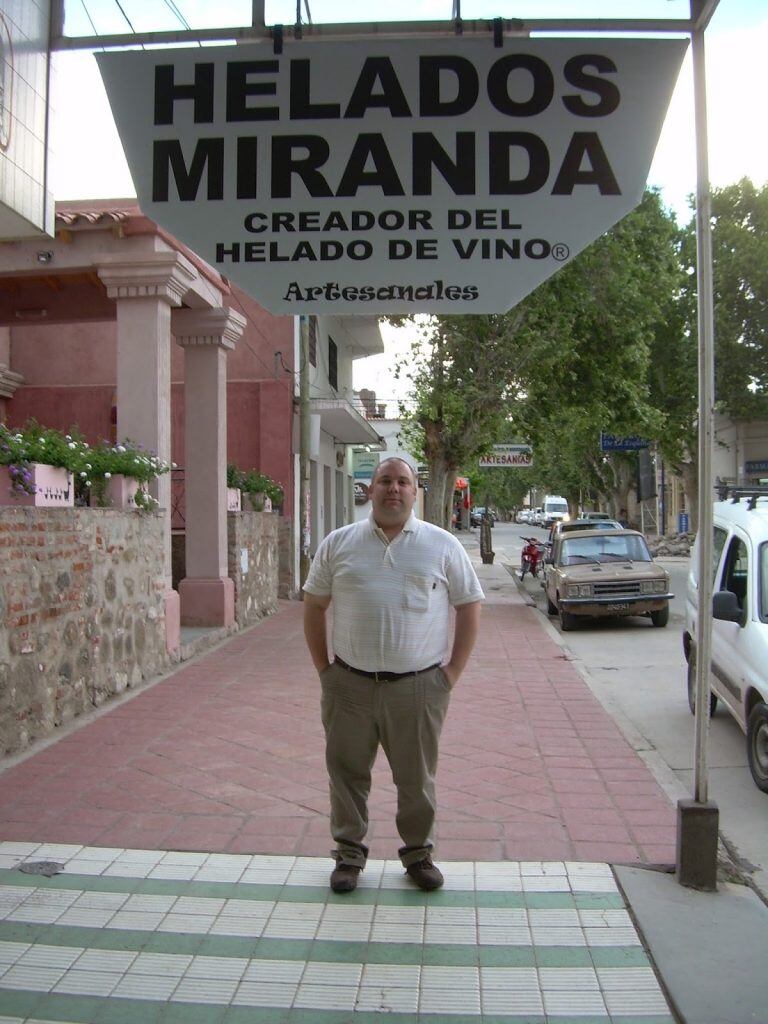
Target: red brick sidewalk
<point>226,755</point>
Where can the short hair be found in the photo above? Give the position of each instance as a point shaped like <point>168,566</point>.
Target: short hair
<point>394,458</point>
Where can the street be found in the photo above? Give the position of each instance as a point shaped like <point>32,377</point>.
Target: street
<point>639,675</point>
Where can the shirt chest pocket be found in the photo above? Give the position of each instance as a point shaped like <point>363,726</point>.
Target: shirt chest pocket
<point>418,592</point>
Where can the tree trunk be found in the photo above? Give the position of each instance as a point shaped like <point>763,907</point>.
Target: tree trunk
<point>435,498</point>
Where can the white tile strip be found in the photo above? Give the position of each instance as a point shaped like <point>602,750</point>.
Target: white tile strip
<point>489,876</point>
<point>451,992</point>
<point>186,915</point>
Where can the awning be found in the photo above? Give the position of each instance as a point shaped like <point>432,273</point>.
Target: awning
<point>343,422</point>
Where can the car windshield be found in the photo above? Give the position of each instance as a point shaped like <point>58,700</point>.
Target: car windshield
<point>557,506</point>
<point>617,547</point>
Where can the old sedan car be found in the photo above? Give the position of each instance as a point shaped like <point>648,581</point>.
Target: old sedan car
<point>604,573</point>
<point>573,525</point>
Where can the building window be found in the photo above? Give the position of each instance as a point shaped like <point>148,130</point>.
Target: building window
<point>313,341</point>
<point>333,364</point>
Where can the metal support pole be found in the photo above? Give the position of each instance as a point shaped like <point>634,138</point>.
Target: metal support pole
<point>706,420</point>
<point>304,443</point>
<point>257,14</point>
<point>698,818</point>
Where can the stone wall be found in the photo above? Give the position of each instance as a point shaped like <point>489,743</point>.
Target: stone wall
<point>253,564</point>
<point>81,614</point>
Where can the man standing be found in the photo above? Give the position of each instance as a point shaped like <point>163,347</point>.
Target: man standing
<point>392,579</point>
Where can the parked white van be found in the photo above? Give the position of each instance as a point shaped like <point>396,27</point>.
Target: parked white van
<point>740,619</point>
<point>555,509</point>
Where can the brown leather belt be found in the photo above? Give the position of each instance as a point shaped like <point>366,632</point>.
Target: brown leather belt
<point>384,677</point>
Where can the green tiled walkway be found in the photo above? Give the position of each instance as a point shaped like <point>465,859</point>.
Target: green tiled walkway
<point>152,936</point>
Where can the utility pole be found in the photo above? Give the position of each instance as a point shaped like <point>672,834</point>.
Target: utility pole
<point>304,467</point>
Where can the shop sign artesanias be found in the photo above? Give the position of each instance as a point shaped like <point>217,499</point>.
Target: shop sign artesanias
<point>441,175</point>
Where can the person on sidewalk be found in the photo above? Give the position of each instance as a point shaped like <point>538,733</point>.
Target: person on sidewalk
<point>392,579</point>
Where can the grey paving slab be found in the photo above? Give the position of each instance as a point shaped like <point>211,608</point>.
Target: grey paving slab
<point>711,949</point>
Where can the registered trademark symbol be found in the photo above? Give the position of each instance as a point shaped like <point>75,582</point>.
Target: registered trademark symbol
<point>560,251</point>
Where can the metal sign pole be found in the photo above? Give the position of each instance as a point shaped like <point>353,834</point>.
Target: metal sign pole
<point>698,818</point>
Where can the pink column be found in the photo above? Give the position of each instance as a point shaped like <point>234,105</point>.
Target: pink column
<point>144,290</point>
<point>207,593</point>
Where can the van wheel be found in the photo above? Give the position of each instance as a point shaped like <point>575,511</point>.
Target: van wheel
<point>692,688</point>
<point>567,621</point>
<point>757,745</point>
<point>661,617</point>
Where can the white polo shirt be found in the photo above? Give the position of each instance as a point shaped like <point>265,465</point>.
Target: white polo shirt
<point>391,598</point>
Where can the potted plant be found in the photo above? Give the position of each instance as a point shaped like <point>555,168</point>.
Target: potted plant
<point>261,491</point>
<point>38,465</point>
<point>235,479</point>
<point>120,474</point>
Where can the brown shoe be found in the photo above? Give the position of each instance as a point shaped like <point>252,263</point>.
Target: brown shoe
<point>425,874</point>
<point>344,877</point>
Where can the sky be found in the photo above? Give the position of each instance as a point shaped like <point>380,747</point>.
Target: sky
<point>87,160</point>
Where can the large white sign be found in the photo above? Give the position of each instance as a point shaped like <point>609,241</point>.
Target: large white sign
<point>440,175</point>
<point>508,456</point>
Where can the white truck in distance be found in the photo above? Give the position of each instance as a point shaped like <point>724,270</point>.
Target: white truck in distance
<point>555,509</point>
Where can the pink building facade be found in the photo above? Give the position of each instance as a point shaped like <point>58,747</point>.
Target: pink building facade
<point>117,328</point>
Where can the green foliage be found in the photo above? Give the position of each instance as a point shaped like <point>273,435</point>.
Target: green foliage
<point>126,458</point>
<point>91,466</point>
<point>235,477</point>
<point>36,443</point>
<point>740,296</point>
<point>572,359</point>
<point>503,488</point>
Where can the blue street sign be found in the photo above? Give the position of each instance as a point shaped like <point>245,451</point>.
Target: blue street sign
<point>614,443</point>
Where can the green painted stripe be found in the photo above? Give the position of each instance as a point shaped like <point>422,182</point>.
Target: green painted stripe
<point>319,894</point>
<point>453,955</point>
<point>90,1010</point>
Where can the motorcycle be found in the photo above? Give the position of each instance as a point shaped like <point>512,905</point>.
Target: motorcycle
<point>532,557</point>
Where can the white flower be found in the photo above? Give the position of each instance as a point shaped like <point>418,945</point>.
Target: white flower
<point>83,474</point>
<point>71,445</point>
<point>120,448</point>
<point>107,476</point>
<point>87,483</point>
<point>88,465</point>
<point>174,466</point>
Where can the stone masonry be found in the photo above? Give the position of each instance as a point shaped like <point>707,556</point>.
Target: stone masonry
<point>81,614</point>
<point>253,564</point>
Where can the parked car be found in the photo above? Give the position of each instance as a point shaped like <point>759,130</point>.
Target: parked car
<point>574,525</point>
<point>604,573</point>
<point>478,512</point>
<point>523,515</point>
<point>739,676</point>
<point>597,516</point>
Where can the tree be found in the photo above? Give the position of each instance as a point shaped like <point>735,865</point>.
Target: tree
<point>740,279</point>
<point>570,360</point>
<point>463,377</point>
<point>618,292</point>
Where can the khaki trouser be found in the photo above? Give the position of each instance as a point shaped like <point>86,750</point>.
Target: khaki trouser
<point>404,716</point>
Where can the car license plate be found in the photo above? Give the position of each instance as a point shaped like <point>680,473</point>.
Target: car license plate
<point>618,606</point>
